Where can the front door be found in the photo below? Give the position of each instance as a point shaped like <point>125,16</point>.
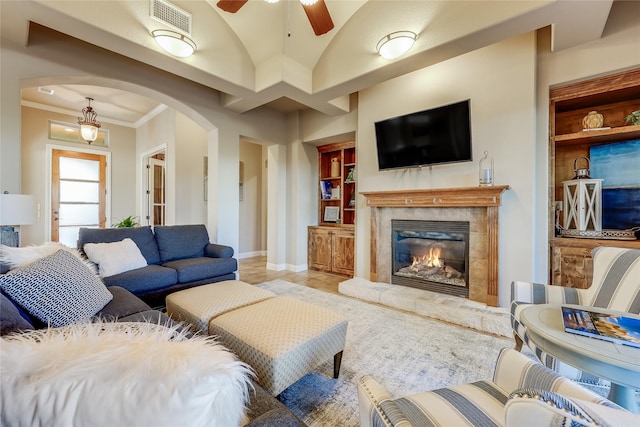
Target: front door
<point>78,194</point>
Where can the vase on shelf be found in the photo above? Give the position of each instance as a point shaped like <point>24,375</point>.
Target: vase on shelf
<point>335,168</point>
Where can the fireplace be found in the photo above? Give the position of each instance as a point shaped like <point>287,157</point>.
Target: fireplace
<point>479,206</point>
<point>431,255</point>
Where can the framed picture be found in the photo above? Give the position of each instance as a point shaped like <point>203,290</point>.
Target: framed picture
<point>331,213</point>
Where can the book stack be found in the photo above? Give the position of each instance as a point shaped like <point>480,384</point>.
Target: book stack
<point>325,189</point>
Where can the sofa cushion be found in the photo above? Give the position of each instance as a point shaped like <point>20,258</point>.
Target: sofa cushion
<point>129,374</point>
<point>143,236</point>
<point>123,304</point>
<point>58,289</point>
<point>115,257</point>
<point>192,269</point>
<point>181,241</point>
<point>142,280</point>
<point>10,318</point>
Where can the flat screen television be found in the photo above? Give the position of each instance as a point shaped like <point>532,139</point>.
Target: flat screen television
<point>430,137</point>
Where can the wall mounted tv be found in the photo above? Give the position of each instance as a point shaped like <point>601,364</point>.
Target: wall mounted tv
<point>435,136</point>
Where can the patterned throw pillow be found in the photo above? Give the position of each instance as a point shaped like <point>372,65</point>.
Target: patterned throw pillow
<point>58,289</point>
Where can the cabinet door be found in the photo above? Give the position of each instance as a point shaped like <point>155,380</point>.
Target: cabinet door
<point>343,249</point>
<point>319,250</point>
<point>572,267</point>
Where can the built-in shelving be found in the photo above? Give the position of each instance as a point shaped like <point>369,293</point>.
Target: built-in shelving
<point>614,96</point>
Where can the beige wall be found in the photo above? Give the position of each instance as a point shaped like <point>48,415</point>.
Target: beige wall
<point>189,153</point>
<point>500,82</point>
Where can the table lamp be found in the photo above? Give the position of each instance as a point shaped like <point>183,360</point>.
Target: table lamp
<point>15,209</point>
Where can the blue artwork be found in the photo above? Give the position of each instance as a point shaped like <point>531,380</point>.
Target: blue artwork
<point>618,165</point>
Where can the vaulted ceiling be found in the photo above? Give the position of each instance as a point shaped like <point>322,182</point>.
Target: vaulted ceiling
<point>267,55</point>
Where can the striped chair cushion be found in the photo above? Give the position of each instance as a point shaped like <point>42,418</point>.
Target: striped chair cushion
<point>616,280</point>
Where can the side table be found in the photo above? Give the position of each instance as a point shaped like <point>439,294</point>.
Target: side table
<point>617,363</point>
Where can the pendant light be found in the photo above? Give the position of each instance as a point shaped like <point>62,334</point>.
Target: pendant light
<point>88,124</point>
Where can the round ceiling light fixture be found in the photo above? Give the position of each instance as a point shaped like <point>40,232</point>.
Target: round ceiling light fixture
<point>396,44</point>
<point>175,43</point>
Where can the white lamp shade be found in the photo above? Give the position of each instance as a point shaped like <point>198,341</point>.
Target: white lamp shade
<point>17,209</point>
<point>89,133</point>
<point>396,44</point>
<point>175,43</point>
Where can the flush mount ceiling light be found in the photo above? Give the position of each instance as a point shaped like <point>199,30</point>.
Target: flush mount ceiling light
<point>175,43</point>
<point>88,124</point>
<point>396,44</point>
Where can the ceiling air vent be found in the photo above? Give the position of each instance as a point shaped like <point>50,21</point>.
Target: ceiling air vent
<point>171,15</point>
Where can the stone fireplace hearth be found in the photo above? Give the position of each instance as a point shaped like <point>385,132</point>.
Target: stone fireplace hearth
<point>476,205</point>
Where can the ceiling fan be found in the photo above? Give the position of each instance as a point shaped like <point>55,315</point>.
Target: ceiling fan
<point>317,13</point>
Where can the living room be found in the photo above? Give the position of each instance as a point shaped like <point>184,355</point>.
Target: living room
<point>507,82</point>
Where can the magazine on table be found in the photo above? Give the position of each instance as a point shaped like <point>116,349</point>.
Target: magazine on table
<point>615,328</point>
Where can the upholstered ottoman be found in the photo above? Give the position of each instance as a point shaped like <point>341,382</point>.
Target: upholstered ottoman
<point>197,306</point>
<point>281,337</point>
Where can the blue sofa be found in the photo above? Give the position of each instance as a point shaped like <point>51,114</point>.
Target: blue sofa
<point>178,257</point>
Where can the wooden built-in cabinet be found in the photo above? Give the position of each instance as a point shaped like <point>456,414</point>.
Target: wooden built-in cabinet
<point>614,96</point>
<point>331,243</point>
<point>331,249</point>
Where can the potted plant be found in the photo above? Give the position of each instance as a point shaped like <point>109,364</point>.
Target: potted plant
<point>634,118</point>
<point>130,221</point>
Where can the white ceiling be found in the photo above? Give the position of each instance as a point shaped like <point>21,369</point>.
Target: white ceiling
<point>266,55</point>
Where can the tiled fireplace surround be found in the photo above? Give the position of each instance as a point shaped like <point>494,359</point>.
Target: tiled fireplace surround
<point>477,205</point>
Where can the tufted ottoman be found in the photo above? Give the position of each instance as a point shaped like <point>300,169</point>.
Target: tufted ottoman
<point>282,338</point>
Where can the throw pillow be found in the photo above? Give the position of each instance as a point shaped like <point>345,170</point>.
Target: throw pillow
<point>58,289</point>
<point>120,374</point>
<point>116,257</point>
<point>23,256</point>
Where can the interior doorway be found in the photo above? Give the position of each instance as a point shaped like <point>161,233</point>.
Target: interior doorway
<point>155,188</point>
<point>253,198</point>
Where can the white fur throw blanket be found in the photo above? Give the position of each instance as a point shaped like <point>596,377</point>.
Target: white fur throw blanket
<point>120,374</point>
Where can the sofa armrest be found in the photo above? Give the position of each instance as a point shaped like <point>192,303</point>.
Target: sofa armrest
<point>534,408</point>
<point>536,293</point>
<point>372,397</point>
<point>213,250</point>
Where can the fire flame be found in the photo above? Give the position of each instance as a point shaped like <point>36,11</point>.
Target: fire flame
<point>432,259</point>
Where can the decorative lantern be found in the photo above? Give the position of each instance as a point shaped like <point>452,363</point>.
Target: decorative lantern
<point>583,204</point>
<point>486,170</point>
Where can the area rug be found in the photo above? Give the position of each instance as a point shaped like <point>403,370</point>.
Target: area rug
<point>404,352</point>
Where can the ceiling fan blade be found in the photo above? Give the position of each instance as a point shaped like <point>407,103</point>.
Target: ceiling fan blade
<point>231,6</point>
<point>319,17</point>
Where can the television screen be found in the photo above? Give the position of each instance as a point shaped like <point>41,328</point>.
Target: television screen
<point>429,137</point>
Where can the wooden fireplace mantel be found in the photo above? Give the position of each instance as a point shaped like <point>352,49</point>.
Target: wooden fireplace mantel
<point>463,197</point>
<point>437,197</point>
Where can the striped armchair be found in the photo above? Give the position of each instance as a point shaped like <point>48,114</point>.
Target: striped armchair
<point>523,393</point>
<point>615,285</point>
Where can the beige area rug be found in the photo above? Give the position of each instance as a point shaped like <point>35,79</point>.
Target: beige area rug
<point>406,353</point>
<point>452,309</point>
